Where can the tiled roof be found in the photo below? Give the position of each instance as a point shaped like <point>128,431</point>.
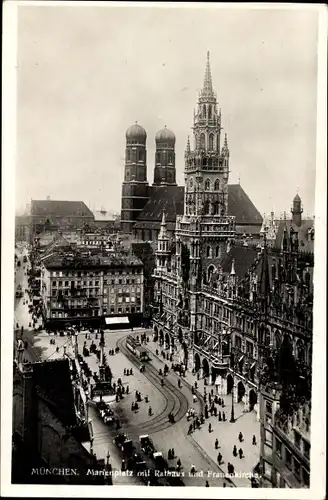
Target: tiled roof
<point>171,199</point>
<point>53,381</point>
<point>241,206</point>
<point>244,257</point>
<point>168,198</point>
<point>80,261</point>
<point>305,244</point>
<point>53,208</point>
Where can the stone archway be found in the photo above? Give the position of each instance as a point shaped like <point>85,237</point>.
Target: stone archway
<point>299,350</point>
<point>161,337</point>
<point>167,339</point>
<point>252,398</point>
<point>229,384</point>
<point>206,368</point>
<point>240,392</point>
<point>197,361</point>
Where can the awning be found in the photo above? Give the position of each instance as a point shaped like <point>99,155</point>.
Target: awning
<point>116,320</point>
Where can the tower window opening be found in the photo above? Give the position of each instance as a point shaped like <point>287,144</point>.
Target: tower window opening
<point>128,155</point>
<point>217,185</point>
<point>204,111</point>
<point>207,185</point>
<point>209,252</point>
<point>217,251</point>
<point>210,112</point>
<point>202,141</point>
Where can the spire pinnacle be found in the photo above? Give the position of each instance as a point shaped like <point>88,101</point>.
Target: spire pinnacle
<point>163,223</point>
<point>208,89</point>
<point>233,272</point>
<point>226,140</point>
<point>188,145</point>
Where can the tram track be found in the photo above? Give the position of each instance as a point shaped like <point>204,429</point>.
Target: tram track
<point>175,402</point>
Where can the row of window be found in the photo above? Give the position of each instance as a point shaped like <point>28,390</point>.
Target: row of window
<point>90,292</point>
<point>75,314</point>
<point>116,281</point>
<point>120,300</point>
<point>123,310</point>
<point>122,290</point>
<point>90,274</point>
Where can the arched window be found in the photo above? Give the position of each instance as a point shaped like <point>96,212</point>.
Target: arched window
<point>204,111</point>
<point>207,185</point>
<point>127,175</point>
<point>217,185</point>
<point>204,162</point>
<point>128,155</point>
<point>210,272</point>
<point>209,252</point>
<point>202,141</point>
<point>158,157</point>
<point>211,142</point>
<point>206,207</point>
<point>141,155</point>
<point>210,112</point>
<point>217,251</point>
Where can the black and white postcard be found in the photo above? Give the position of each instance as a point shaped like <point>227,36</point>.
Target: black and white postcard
<point>163,250</point>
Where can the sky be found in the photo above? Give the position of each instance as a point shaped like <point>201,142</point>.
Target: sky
<point>86,73</point>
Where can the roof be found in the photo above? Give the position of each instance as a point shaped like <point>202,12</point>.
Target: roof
<point>76,260</point>
<point>53,382</point>
<point>244,258</point>
<point>241,206</point>
<point>171,199</point>
<point>305,243</point>
<point>60,208</point>
<point>168,198</point>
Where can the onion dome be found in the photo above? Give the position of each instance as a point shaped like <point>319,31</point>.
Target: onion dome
<point>136,132</point>
<point>165,136</point>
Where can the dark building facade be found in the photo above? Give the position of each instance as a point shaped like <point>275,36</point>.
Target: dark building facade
<point>47,435</point>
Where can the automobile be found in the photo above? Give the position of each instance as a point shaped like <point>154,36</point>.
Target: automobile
<point>160,462</point>
<point>146,444</point>
<point>136,463</point>
<point>123,442</point>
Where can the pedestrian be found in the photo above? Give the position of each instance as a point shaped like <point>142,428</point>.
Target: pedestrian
<point>131,372</point>
<point>190,429</point>
<point>223,416</point>
<point>209,428</point>
<point>127,389</point>
<point>220,417</point>
<point>178,463</point>
<point>219,401</point>
<point>254,440</point>
<point>194,398</point>
<point>150,411</point>
<point>240,437</point>
<point>146,399</point>
<point>216,444</point>
<point>215,411</point>
<point>241,454</point>
<point>223,405</point>
<point>169,454</point>
<point>234,451</point>
<point>124,371</point>
<point>57,349</point>
<point>179,383</point>
<point>224,485</point>
<point>194,425</point>
<point>196,385</point>
<point>173,453</point>
<point>206,484</point>
<point>123,465</point>
<point>132,406</point>
<point>197,375</point>
<point>192,469</point>
<point>219,458</point>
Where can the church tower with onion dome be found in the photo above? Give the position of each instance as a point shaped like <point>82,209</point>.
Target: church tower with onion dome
<point>135,185</point>
<point>164,171</point>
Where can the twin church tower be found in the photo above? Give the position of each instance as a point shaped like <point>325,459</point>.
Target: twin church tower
<point>206,163</point>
